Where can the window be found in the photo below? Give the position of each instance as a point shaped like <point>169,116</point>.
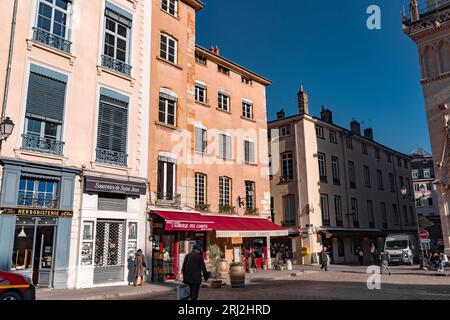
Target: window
<point>391,182</point>
<point>322,167</point>
<point>117,41</point>
<point>367,176</point>
<point>370,213</point>
<point>341,248</point>
<point>223,70</point>
<point>399,161</point>
<point>250,196</point>
<point>112,202</point>
<point>44,117</point>
<point>287,166</point>
<point>200,188</point>
<point>112,130</point>
<point>224,191</point>
<point>52,24</point>
<point>247,109</point>
<point>200,92</point>
<point>401,182</point>
<point>416,187</point>
<point>333,137</point>
<point>37,193</point>
<point>335,170</point>
<point>168,48</point>
<point>377,154</point>
<point>224,101</point>
<point>380,180</point>
<point>166,180</point>
<point>170,6</point>
<point>351,174</point>
<point>384,218</point>
<point>405,164</point>
<point>167,108</point>
<point>429,187</point>
<point>396,216</point>
<point>426,173</point>
<point>408,186</point>
<point>325,209</point>
<point>246,80</point>
<point>338,210</point>
<point>413,216</point>
<point>87,244</point>
<point>319,132</point>
<point>201,142</point>
<point>355,213</point>
<point>289,209</point>
<point>405,216</point>
<point>224,146</point>
<point>415,174</point>
<point>388,157</point>
<point>349,143</point>
<point>419,203</point>
<point>285,131</point>
<point>364,148</point>
<point>249,152</point>
<point>430,202</point>
<point>200,58</point>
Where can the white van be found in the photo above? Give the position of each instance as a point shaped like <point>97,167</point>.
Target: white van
<point>402,248</point>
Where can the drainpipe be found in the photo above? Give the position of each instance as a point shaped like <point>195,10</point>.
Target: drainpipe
<point>8,67</point>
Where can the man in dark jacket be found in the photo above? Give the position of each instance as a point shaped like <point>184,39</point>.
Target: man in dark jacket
<point>193,268</point>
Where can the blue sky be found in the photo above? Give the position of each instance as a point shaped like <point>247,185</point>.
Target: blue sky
<point>370,75</point>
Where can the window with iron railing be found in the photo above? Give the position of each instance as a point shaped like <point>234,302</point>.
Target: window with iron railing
<point>41,193</point>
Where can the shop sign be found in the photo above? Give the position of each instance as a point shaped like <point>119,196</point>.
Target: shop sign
<point>129,188</point>
<point>188,226</point>
<point>38,212</point>
<point>237,240</point>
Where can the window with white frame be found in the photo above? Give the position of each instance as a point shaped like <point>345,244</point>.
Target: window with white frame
<point>87,243</point>
<point>249,195</point>
<point>333,136</point>
<point>287,166</point>
<point>224,101</point>
<point>200,92</point>
<point>224,191</point>
<point>167,107</point>
<point>415,174</point>
<point>322,167</point>
<point>319,132</point>
<point>349,143</point>
<point>426,173</point>
<point>335,169</point>
<point>247,109</point>
<point>285,131</point>
<point>34,192</point>
<point>168,48</point>
<point>249,152</point>
<point>170,6</point>
<point>201,142</point>
<point>200,188</point>
<point>246,80</point>
<point>223,70</point>
<point>225,146</point>
<point>166,179</point>
<point>325,209</point>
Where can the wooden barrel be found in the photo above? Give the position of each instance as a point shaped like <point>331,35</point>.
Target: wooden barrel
<point>237,276</point>
<point>223,268</point>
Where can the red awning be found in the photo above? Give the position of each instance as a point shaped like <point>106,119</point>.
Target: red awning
<point>225,226</point>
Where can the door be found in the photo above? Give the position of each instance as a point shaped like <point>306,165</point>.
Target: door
<point>43,256</point>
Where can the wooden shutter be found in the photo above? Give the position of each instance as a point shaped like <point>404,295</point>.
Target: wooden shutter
<point>113,124</point>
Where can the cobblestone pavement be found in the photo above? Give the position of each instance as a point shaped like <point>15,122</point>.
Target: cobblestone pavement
<point>406,283</point>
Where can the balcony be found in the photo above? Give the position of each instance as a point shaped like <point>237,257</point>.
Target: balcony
<point>39,201</point>
<point>116,65</point>
<point>43,145</point>
<point>51,40</point>
<point>111,157</point>
<point>167,199</point>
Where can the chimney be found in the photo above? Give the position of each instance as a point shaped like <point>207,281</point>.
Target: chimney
<point>414,10</point>
<point>303,104</point>
<point>280,114</point>
<point>326,115</point>
<point>355,127</point>
<point>368,133</point>
<point>215,50</point>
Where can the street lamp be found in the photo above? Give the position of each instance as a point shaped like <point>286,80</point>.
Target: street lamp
<point>6,129</point>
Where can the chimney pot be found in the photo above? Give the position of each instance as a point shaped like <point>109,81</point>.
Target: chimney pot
<point>368,133</point>
<point>281,114</point>
<point>355,127</point>
<point>326,115</point>
<point>303,101</point>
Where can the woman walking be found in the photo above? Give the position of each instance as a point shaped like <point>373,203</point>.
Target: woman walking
<point>139,268</point>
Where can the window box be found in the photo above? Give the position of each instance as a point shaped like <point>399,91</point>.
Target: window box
<point>252,211</point>
<point>227,209</point>
<point>203,207</point>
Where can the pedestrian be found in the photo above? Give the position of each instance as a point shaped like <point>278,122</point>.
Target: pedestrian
<point>360,253</point>
<point>441,267</point>
<point>193,268</point>
<point>324,256</point>
<point>374,253</point>
<point>384,262</point>
<point>139,268</point>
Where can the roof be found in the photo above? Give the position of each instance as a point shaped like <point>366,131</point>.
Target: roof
<point>420,152</point>
<point>235,66</point>
<point>196,4</point>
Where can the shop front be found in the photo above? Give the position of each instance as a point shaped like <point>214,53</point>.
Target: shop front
<point>35,221</point>
<point>175,233</point>
<point>112,230</point>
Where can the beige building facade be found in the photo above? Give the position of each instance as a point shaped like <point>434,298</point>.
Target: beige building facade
<point>336,187</point>
<point>427,23</point>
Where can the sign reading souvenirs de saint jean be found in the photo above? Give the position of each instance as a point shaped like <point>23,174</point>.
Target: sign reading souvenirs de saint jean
<point>38,212</point>
<point>129,188</point>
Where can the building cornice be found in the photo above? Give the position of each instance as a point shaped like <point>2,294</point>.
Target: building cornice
<point>197,5</point>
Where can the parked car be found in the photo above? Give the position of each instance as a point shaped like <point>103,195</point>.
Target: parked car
<point>14,286</point>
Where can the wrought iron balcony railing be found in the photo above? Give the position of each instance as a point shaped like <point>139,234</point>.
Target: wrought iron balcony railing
<point>43,145</point>
<point>51,40</point>
<point>114,158</point>
<point>170,199</point>
<point>116,65</point>
<point>39,202</point>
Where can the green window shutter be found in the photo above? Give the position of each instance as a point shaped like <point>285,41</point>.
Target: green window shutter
<point>46,97</point>
<point>112,125</point>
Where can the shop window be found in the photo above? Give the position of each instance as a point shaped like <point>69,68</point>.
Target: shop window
<point>87,244</point>
<point>22,256</point>
<point>37,193</point>
<point>112,202</point>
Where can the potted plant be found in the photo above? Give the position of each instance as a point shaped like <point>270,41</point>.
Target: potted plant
<point>226,209</point>
<point>251,211</point>
<point>215,255</point>
<point>203,207</point>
